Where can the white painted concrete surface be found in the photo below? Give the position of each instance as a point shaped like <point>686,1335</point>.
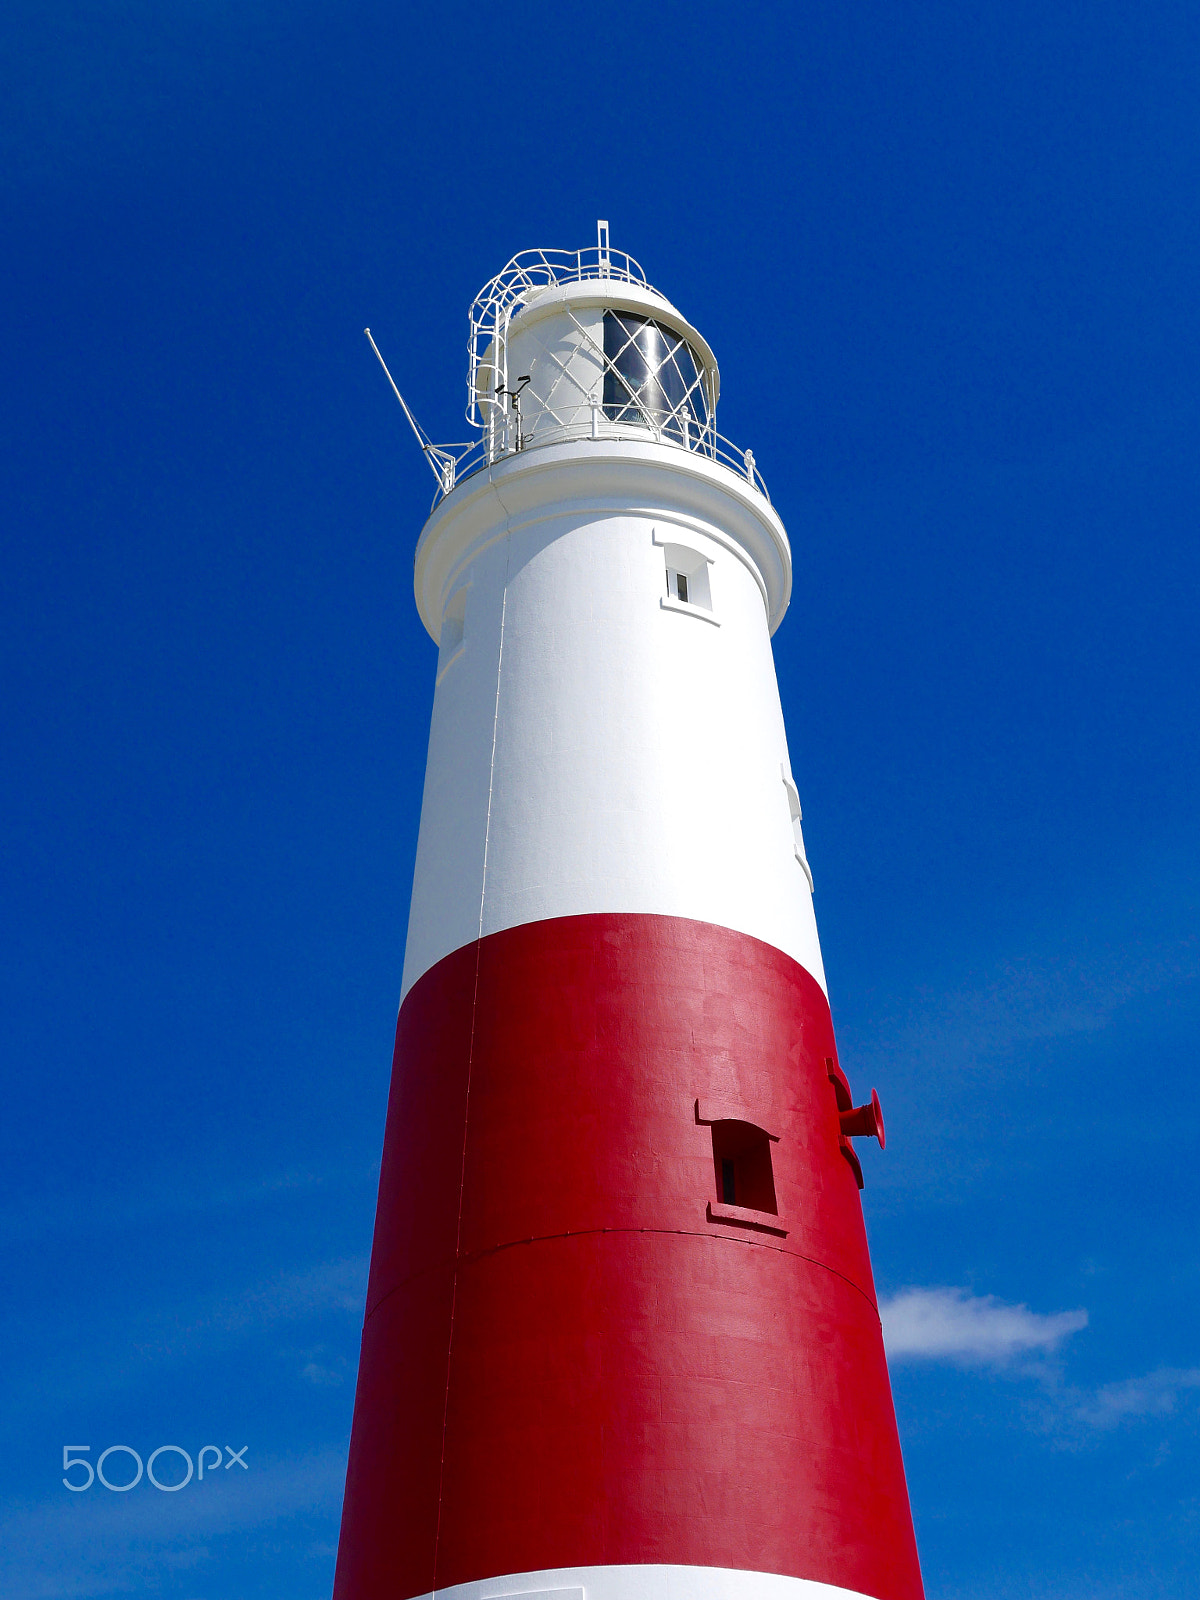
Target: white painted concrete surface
<point>646,1583</point>
<point>592,749</point>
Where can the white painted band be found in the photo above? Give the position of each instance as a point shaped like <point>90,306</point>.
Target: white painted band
<point>646,1583</point>
<point>592,749</point>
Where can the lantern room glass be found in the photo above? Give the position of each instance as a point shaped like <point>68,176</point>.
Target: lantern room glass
<point>652,377</point>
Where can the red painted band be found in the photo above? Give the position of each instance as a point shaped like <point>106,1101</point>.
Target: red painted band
<point>565,1362</point>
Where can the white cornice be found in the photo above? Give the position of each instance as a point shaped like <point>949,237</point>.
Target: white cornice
<point>605,477</point>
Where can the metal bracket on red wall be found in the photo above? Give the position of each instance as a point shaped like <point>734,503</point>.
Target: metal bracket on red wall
<point>854,1122</point>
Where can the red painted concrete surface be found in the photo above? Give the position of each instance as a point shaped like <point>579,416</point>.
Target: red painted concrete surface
<point>565,1362</point>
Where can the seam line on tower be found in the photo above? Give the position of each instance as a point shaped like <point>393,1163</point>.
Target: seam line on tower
<point>473,1256</point>
<point>462,1177</point>
<point>487,826</point>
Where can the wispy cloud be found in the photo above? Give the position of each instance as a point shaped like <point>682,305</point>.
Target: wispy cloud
<point>1157,1394</point>
<point>331,1286</point>
<point>125,1350</point>
<point>970,1330</point>
<point>325,1369</point>
<point>40,1215</point>
<point>1069,978</point>
<point>75,1546</point>
<point>982,1332</point>
<point>1048,995</point>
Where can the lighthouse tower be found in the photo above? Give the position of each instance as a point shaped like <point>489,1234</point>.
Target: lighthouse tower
<point>621,1337</point>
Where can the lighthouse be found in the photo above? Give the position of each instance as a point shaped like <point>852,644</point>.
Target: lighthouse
<point>621,1339</point>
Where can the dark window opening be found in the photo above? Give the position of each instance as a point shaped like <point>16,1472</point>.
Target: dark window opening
<point>687,576</point>
<point>652,377</point>
<point>742,1159</point>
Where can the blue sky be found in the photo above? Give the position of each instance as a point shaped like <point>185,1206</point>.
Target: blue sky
<point>947,258</point>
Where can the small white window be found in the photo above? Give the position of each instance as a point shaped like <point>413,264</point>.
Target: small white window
<point>687,576</point>
<point>450,645</point>
<point>793,799</point>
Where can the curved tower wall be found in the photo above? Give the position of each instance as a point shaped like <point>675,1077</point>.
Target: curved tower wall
<point>596,745</point>
<point>621,1336</point>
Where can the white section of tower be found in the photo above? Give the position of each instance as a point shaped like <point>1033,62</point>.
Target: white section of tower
<point>600,743</point>
<point>649,1582</point>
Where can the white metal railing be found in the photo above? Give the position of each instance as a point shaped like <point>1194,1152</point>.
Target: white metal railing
<point>459,461</point>
<point>527,272</point>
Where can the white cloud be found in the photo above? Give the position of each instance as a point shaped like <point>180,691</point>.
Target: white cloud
<point>955,1325</point>
<point>1157,1394</point>
<point>967,1330</point>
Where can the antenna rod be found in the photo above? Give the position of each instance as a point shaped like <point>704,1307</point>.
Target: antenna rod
<point>441,462</point>
<point>422,438</point>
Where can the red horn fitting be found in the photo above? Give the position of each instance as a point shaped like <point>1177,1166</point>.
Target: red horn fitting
<point>864,1121</point>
